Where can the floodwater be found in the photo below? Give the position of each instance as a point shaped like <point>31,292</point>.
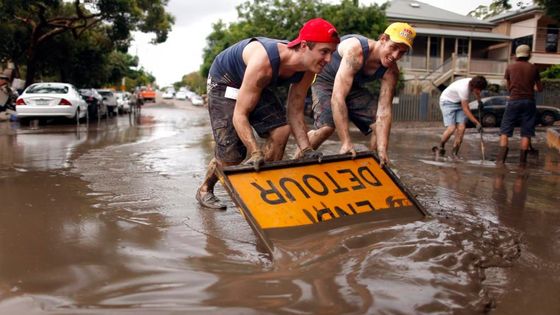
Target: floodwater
<point>101,219</point>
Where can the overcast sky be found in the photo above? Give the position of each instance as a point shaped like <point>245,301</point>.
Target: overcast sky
<point>182,52</point>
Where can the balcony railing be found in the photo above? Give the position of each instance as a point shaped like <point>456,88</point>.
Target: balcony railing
<point>459,64</point>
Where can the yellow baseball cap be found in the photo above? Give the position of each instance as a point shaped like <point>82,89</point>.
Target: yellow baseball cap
<point>401,33</point>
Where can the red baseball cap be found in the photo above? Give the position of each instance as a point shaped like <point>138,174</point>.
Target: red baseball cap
<point>316,30</point>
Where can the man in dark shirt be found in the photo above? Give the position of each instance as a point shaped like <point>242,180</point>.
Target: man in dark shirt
<point>522,81</point>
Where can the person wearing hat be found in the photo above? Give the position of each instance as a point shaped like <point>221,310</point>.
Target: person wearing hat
<point>522,79</point>
<point>6,93</point>
<point>339,94</point>
<point>242,98</point>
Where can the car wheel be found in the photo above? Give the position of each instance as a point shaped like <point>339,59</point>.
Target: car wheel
<point>548,119</point>
<point>489,120</point>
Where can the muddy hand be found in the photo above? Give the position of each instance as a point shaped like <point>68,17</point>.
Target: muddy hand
<point>348,148</point>
<point>479,128</point>
<point>256,159</point>
<point>383,158</point>
<point>309,153</point>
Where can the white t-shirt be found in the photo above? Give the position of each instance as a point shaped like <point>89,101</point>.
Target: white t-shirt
<point>456,91</point>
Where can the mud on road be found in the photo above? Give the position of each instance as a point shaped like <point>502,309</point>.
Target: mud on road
<point>102,219</point>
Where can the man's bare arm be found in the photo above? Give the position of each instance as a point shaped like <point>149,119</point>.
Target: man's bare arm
<point>257,77</point>
<point>384,115</point>
<point>296,108</point>
<point>350,64</point>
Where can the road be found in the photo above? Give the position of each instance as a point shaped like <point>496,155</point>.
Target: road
<point>102,218</point>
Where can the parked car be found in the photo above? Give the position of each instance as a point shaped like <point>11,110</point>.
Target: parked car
<point>168,94</point>
<point>110,99</point>
<point>197,100</point>
<point>96,106</point>
<point>122,102</point>
<point>495,106</point>
<point>51,99</point>
<point>181,95</point>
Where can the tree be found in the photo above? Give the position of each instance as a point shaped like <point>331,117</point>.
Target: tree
<point>45,20</point>
<point>553,72</point>
<point>551,7</point>
<point>282,19</point>
<point>495,8</point>
<point>195,81</point>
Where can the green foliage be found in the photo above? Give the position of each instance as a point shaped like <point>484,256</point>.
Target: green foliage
<point>553,72</point>
<point>551,7</point>
<point>282,19</point>
<point>493,9</point>
<point>369,20</point>
<point>195,82</point>
<point>30,26</point>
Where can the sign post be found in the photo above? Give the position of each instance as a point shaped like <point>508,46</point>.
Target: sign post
<point>292,198</point>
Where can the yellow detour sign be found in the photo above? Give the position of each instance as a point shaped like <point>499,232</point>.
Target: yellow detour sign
<point>290,198</point>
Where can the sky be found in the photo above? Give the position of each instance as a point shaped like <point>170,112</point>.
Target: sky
<point>182,52</point>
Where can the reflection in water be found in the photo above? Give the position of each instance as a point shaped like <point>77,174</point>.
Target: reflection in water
<point>119,231</point>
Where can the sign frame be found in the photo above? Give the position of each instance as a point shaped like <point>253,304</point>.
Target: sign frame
<point>224,173</point>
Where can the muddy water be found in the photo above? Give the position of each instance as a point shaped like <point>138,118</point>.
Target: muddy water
<point>102,220</point>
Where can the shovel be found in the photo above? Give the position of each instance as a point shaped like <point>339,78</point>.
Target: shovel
<point>480,108</point>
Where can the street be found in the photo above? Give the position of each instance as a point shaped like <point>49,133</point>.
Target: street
<point>102,218</point>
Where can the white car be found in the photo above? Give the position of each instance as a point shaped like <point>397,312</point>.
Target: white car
<point>197,100</point>
<point>110,99</point>
<point>181,95</point>
<point>50,99</point>
<point>122,102</point>
<point>169,94</point>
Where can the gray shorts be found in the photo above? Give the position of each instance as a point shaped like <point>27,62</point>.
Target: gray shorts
<point>452,113</point>
<point>269,114</point>
<point>362,106</point>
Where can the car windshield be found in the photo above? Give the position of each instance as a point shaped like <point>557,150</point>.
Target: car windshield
<point>47,89</point>
<point>106,93</point>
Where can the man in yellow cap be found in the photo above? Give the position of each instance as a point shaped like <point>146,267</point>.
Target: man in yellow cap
<point>339,94</point>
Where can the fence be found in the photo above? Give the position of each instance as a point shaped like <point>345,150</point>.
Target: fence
<point>422,107</point>
<point>425,107</point>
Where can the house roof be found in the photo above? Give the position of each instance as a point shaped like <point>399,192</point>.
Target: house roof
<point>412,10</point>
<point>459,33</point>
<point>513,13</point>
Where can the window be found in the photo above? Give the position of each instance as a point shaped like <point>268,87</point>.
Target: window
<point>434,46</point>
<point>462,47</point>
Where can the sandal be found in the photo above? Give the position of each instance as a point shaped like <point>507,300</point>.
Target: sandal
<point>210,201</point>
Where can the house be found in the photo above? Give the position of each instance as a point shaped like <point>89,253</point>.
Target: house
<point>450,46</point>
<point>530,26</point>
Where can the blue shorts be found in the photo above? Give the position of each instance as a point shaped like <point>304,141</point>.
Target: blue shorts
<point>452,113</point>
<point>519,111</point>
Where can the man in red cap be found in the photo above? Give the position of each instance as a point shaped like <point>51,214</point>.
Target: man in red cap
<point>339,94</point>
<point>242,97</point>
